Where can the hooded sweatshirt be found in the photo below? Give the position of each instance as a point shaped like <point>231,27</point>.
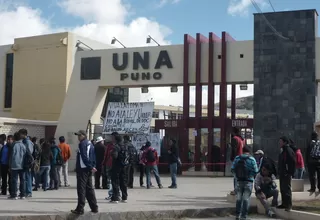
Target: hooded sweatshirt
<point>237,143</point>
<point>299,159</point>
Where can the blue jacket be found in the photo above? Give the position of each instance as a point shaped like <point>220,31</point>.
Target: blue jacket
<point>251,164</point>
<point>55,150</point>
<point>18,153</point>
<point>4,155</point>
<point>86,158</point>
<point>28,144</point>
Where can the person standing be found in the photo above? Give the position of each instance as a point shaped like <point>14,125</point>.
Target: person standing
<point>119,175</point>
<point>313,161</point>
<point>85,166</point>
<point>237,144</point>
<point>66,154</point>
<point>42,176</point>
<point>173,162</point>
<point>35,155</point>
<point>244,168</point>
<point>4,161</point>
<point>286,170</point>
<point>150,159</point>
<point>55,150</point>
<point>30,148</point>
<point>299,161</point>
<point>19,151</point>
<point>133,160</point>
<point>100,150</point>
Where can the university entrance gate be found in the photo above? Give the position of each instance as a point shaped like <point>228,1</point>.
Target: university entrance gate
<point>282,68</point>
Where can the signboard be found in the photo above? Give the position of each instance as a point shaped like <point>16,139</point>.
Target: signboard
<point>138,140</point>
<point>141,65</point>
<point>239,123</point>
<point>170,124</point>
<point>128,118</point>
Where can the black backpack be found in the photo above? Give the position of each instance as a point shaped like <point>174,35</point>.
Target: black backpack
<point>133,154</point>
<point>241,169</point>
<point>36,152</point>
<point>150,156</point>
<point>28,160</point>
<point>59,158</point>
<point>124,155</point>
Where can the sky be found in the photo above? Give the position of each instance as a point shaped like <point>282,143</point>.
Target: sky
<point>131,21</point>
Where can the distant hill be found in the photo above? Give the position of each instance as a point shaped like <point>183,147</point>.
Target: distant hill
<point>241,103</point>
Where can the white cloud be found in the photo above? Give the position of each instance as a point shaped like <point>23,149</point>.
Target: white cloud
<point>103,19</point>
<point>161,3</point>
<point>242,7</point>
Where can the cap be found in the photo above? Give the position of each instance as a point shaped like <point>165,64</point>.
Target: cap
<point>81,132</point>
<point>99,139</point>
<point>259,152</point>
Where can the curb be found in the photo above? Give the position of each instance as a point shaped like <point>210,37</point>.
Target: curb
<point>136,215</point>
<point>297,215</point>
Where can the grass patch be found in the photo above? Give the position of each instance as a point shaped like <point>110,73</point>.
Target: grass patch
<point>307,206</point>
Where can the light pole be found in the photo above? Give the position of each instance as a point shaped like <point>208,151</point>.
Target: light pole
<point>114,40</point>
<point>149,39</point>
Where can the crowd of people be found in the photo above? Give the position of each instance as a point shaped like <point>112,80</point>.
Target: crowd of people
<point>114,160</point>
<point>258,171</point>
<point>28,163</point>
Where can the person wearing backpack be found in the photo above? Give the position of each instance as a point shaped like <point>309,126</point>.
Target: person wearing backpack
<point>55,165</point>
<point>133,160</point>
<point>150,159</point>
<point>174,159</point>
<point>237,144</point>
<point>30,149</point>
<point>244,168</point>
<point>19,151</point>
<point>119,175</point>
<point>286,170</point>
<point>313,161</point>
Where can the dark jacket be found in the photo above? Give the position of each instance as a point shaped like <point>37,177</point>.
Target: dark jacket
<point>86,158</point>
<point>173,154</point>
<point>287,161</point>
<point>132,151</point>
<point>46,156</point>
<point>100,150</point>
<point>309,160</point>
<point>55,151</point>
<point>237,143</point>
<point>116,163</point>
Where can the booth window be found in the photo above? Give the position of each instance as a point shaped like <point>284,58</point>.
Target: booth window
<point>8,81</point>
<point>90,68</point>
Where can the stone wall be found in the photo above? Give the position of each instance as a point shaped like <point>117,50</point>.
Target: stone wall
<point>284,78</point>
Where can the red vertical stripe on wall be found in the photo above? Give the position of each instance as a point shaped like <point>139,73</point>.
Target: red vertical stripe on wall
<point>186,96</point>
<point>198,114</point>
<point>233,101</point>
<point>212,38</point>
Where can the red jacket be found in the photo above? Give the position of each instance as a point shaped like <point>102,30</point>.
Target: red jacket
<point>107,160</point>
<point>299,158</point>
<point>144,157</point>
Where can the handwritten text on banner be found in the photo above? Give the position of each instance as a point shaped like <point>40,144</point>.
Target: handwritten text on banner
<point>124,118</point>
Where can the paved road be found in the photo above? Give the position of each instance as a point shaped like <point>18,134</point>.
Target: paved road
<point>192,193</point>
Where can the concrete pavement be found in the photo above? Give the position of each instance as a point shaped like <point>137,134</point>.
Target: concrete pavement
<point>192,193</point>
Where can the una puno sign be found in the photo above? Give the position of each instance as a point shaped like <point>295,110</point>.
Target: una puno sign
<point>128,118</point>
<point>141,65</point>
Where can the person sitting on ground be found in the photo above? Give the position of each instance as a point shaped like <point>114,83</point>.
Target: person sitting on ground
<point>265,188</point>
<point>244,169</point>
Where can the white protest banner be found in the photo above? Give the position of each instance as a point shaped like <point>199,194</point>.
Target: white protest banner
<point>132,118</point>
<point>138,140</point>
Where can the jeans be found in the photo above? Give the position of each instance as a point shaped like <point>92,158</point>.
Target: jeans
<point>28,182</point>
<point>54,181</point>
<point>130,175</point>
<point>85,190</point>
<point>244,191</point>
<point>15,174</point>
<point>299,173</point>
<point>43,174</point>
<point>63,170</point>
<point>149,169</point>
<point>173,173</point>
<point>5,175</point>
<point>274,193</point>
<point>119,178</point>
<point>235,185</point>
<point>314,170</point>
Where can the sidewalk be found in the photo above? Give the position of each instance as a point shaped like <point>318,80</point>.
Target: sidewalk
<point>193,193</point>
